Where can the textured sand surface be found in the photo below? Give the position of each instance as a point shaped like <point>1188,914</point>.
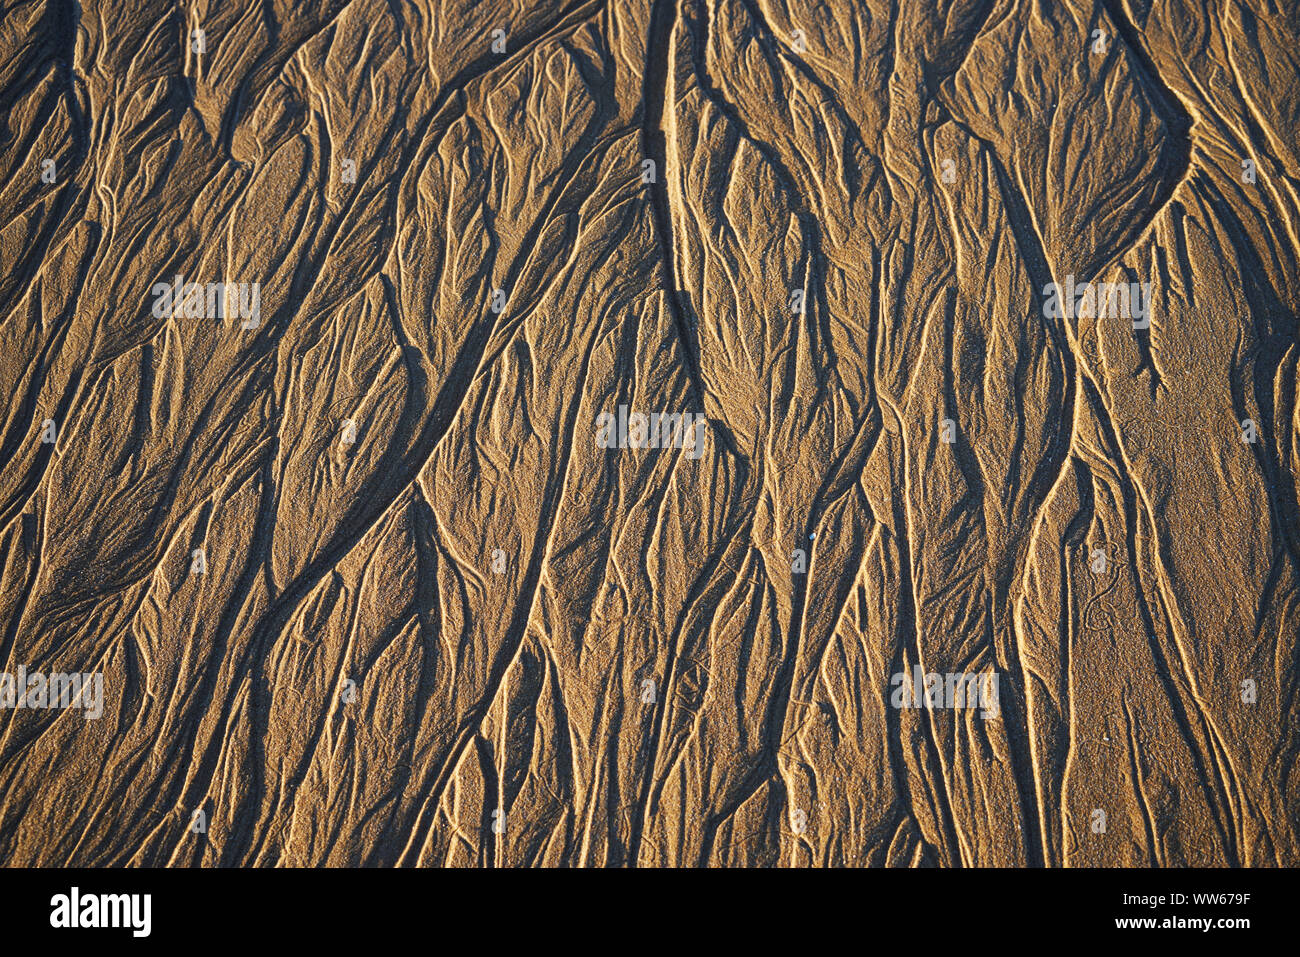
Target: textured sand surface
<point>380,571</point>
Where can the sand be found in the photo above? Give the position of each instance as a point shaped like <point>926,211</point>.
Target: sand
<point>650,433</point>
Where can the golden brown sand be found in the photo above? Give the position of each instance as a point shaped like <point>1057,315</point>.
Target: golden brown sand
<point>613,420</point>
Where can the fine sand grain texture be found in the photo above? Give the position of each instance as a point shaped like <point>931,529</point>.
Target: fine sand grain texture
<point>650,432</point>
